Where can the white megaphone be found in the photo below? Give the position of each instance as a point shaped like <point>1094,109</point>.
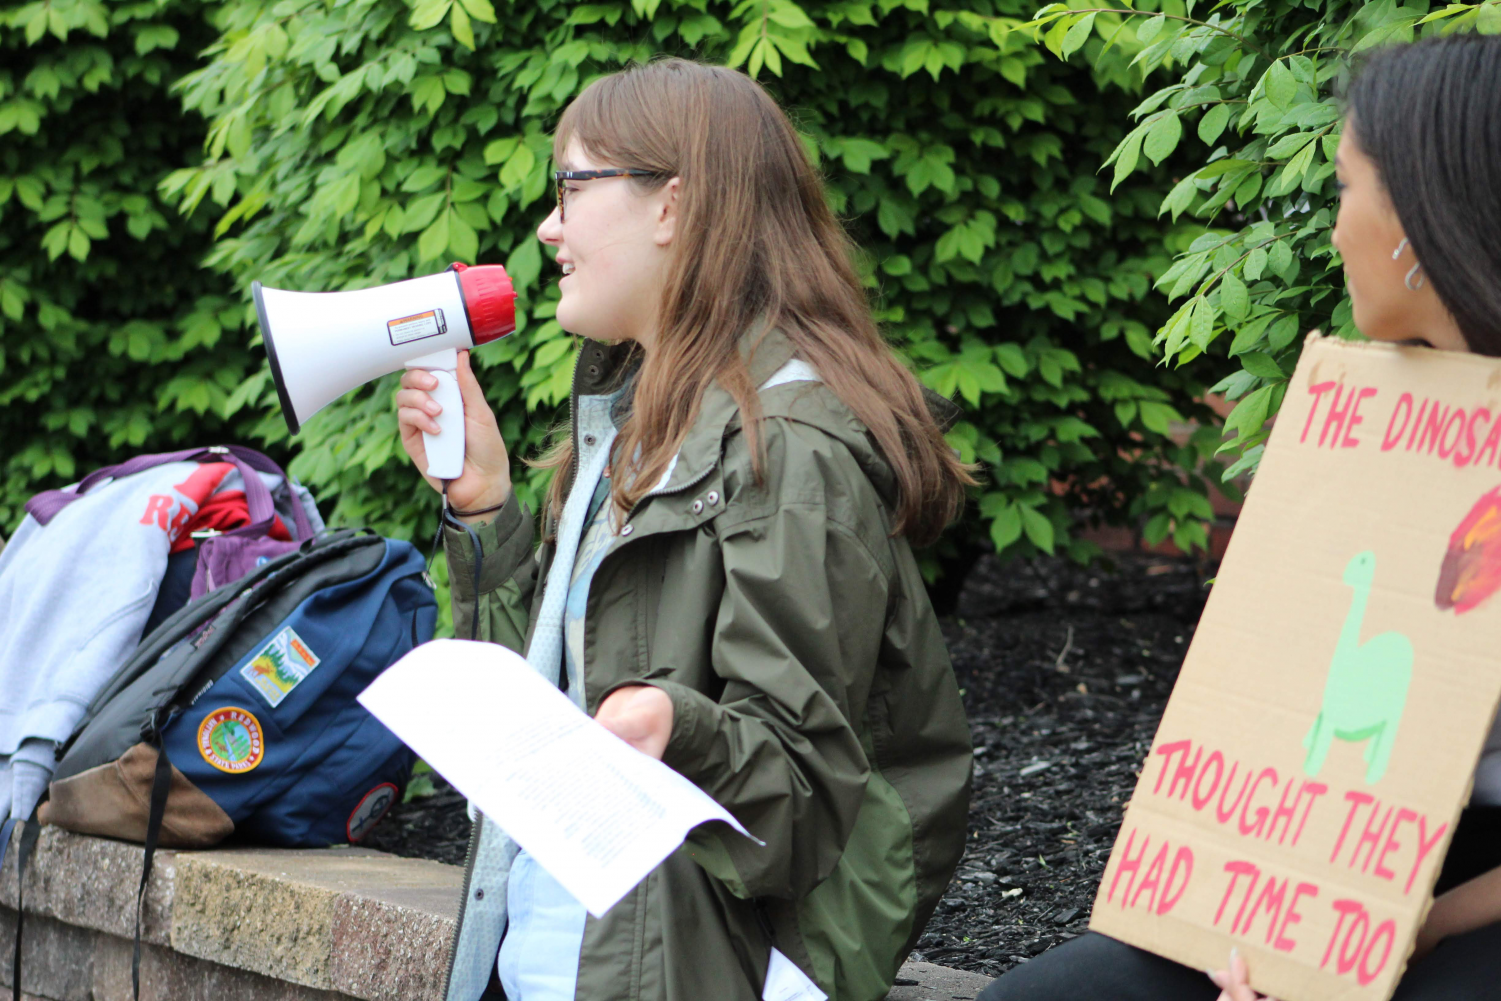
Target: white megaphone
<point>323,344</point>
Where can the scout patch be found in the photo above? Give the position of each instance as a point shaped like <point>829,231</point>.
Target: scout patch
<point>280,666</point>
<point>231,740</point>
<point>372,807</point>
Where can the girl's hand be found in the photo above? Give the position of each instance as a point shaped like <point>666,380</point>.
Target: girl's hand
<point>639,715</point>
<point>1235,983</point>
<point>486,479</point>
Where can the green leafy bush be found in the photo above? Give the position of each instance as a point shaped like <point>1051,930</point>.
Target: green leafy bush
<point>365,142</point>
<point>344,145</point>
<point>112,341</point>
<point>1256,82</point>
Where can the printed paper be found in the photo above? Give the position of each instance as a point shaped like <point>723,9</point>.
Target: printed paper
<point>593,811</point>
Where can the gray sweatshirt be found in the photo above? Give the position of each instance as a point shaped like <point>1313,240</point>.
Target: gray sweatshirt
<point>74,596</point>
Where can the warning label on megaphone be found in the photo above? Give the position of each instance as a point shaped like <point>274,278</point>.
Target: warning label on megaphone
<point>416,327</point>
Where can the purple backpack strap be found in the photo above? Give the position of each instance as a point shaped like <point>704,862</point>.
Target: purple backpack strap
<point>46,505</point>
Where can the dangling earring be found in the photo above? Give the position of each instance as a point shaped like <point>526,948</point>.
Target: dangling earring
<point>1413,273</point>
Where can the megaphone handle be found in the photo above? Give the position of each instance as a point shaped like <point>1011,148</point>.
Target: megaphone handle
<point>445,450</point>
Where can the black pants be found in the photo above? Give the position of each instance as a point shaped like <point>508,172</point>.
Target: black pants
<point>1462,968</point>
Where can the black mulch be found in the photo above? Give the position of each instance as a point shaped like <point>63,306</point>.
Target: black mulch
<point>1065,672</point>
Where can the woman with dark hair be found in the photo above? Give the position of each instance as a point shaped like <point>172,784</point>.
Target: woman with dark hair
<point>1419,232</point>
<point>726,578</point>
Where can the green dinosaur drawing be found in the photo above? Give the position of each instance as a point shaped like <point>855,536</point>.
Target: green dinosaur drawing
<point>1366,690</point>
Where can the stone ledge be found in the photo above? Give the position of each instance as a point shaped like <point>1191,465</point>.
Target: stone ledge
<point>335,924</point>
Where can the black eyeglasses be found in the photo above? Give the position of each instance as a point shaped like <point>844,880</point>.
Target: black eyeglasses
<point>561,176</point>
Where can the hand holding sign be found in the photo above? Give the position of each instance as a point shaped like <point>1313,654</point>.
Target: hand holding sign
<point>1235,982</point>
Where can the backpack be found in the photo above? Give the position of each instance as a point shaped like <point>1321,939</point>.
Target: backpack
<point>238,715</point>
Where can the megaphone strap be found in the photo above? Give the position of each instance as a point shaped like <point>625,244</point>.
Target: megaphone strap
<point>476,549</point>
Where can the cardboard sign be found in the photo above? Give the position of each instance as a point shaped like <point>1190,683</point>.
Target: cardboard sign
<point>1303,786</point>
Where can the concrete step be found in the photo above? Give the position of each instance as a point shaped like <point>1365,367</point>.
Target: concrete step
<point>260,924</point>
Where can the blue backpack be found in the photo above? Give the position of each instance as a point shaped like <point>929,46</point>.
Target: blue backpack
<point>237,715</point>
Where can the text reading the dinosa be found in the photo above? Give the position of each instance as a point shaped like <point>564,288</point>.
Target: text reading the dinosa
<point>1465,435</point>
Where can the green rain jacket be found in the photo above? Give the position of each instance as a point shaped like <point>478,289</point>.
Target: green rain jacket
<point>812,696</point>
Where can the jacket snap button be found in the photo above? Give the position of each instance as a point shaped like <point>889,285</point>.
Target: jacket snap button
<point>713,497</point>
<point>627,530</point>
<point>479,894</point>
<point>589,440</point>
<point>698,506</point>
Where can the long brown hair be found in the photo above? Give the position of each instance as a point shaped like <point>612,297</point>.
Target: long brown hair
<point>756,244</point>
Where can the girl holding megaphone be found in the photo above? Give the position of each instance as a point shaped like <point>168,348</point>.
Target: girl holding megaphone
<point>726,578</point>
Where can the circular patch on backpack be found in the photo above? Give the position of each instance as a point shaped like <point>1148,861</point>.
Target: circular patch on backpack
<point>372,807</point>
<point>231,740</point>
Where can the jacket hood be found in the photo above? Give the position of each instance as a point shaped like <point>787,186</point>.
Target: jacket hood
<point>604,368</point>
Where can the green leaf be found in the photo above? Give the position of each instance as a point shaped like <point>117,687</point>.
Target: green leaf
<point>501,149</point>
<point>434,239</point>
<point>1234,299</point>
<point>1279,256</point>
<point>1151,29</point>
<point>525,264</point>
<point>1283,333</point>
<point>1006,527</point>
<point>78,243</point>
<point>1038,528</point>
<point>155,36</point>
<point>1012,359</point>
<point>1077,35</point>
<point>788,14</point>
<point>1180,198</point>
<point>858,154</point>
<point>518,167</point>
<point>1249,335</point>
<point>1163,137</point>
<point>1201,325</point>
<point>1255,264</point>
<point>480,10</point>
<point>462,240</point>
<point>427,92</point>
<point>1279,85</point>
<point>1249,414</point>
<point>1296,167</point>
<point>1127,156</point>
<point>1288,145</point>
<point>1449,11</point>
<point>429,13</point>
<point>1158,417</point>
<point>458,23</point>
<point>1261,365</point>
<point>1213,123</point>
<point>424,177</point>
